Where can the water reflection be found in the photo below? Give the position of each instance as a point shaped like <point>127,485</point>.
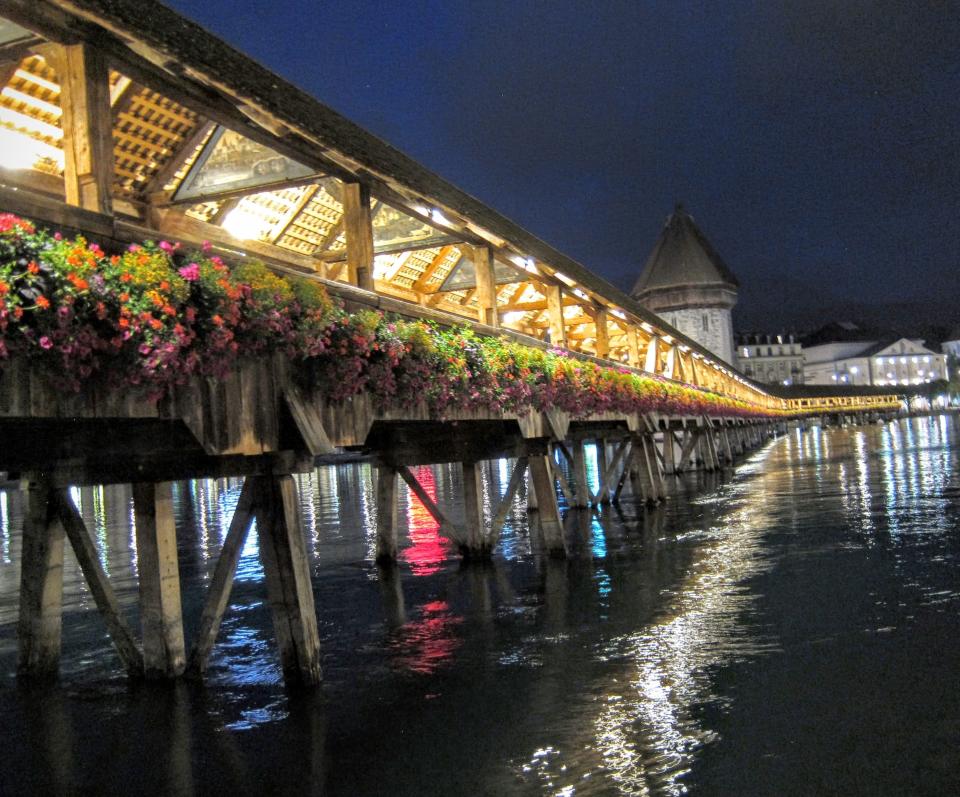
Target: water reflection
<point>594,675</point>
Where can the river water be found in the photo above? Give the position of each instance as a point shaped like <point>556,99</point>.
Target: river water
<point>790,628</point>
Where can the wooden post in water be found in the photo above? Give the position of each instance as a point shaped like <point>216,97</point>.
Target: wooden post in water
<point>287,570</point>
<point>669,453</point>
<point>547,506</point>
<point>41,585</point>
<point>581,499</point>
<point>475,546</point>
<point>161,619</point>
<point>386,513</point>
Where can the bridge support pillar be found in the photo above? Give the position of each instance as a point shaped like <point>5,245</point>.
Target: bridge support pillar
<point>386,513</point>
<point>547,506</point>
<point>476,545</point>
<point>669,453</point>
<point>581,498</point>
<point>41,586</point>
<point>287,571</point>
<point>161,618</point>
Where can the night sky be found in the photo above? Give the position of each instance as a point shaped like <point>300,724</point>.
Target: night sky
<point>816,142</point>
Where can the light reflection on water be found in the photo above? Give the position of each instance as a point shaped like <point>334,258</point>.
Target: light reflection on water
<point>591,676</point>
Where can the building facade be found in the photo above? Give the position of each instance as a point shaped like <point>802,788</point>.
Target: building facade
<point>687,284</point>
<point>773,359</point>
<point>900,362</point>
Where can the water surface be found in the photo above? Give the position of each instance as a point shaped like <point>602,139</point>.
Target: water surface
<point>788,629</point>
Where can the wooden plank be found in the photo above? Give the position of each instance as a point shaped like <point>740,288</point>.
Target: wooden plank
<point>358,226</point>
<point>447,529</point>
<point>100,588</point>
<point>503,509</point>
<point>41,586</point>
<point>87,126</point>
<point>161,617</point>
<point>221,584</point>
<point>287,573</point>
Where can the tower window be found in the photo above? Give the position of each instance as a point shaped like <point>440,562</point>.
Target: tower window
<point>706,322</point>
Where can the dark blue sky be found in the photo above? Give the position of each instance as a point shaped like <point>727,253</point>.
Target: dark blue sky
<point>817,139</point>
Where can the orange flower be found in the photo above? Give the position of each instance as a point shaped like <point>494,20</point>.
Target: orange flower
<point>124,297</point>
<point>217,320</point>
<point>156,323</point>
<point>4,288</point>
<point>125,277</point>
<point>43,302</point>
<point>33,268</point>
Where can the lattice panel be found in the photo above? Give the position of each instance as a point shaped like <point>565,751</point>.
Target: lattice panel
<point>317,227</point>
<point>148,130</point>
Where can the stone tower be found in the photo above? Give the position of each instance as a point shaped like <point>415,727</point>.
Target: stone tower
<point>688,285</point>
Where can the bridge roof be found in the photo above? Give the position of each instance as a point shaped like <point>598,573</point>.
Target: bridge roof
<point>682,256</point>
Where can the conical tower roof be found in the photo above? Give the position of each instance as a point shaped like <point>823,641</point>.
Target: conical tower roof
<point>682,257</point>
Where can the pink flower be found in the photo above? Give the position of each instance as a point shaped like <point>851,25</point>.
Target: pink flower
<point>166,246</point>
<point>206,246</point>
<point>190,273</point>
<point>46,343</point>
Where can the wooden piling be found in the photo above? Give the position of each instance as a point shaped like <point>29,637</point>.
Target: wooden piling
<point>287,570</point>
<point>386,550</point>
<point>475,545</point>
<point>161,619</point>
<point>547,508</point>
<point>41,586</point>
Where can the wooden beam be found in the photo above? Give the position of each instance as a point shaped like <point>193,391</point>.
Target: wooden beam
<point>87,126</point>
<point>358,226</point>
<point>558,330</point>
<point>633,347</point>
<point>668,366</point>
<point>486,286</point>
<point>446,528</point>
<point>222,583</point>
<point>652,364</point>
<point>103,594</point>
<point>602,347</point>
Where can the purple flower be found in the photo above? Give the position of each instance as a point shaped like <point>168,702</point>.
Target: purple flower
<point>190,273</point>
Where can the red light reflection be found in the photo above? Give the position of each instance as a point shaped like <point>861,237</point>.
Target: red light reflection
<point>422,646</point>
<point>428,549</point>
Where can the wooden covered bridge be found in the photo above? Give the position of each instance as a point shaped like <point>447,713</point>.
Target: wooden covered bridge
<point>126,127</point>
